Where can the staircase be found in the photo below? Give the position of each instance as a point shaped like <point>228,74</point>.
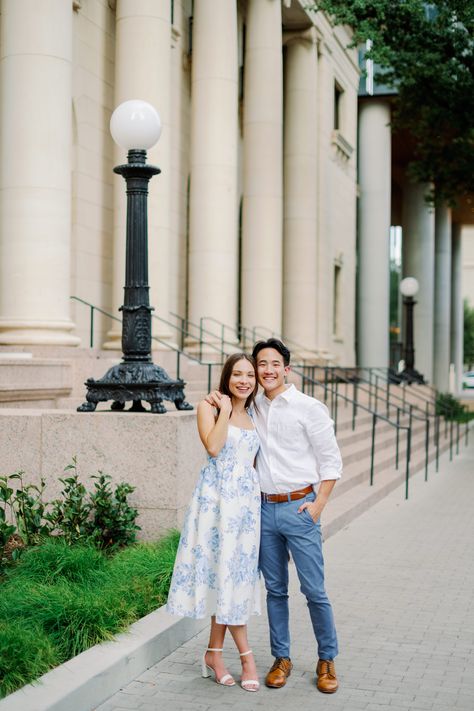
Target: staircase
<point>372,468</point>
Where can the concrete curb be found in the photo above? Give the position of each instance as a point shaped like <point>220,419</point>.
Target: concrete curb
<point>86,681</point>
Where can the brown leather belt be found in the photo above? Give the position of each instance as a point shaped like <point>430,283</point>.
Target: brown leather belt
<point>291,496</point>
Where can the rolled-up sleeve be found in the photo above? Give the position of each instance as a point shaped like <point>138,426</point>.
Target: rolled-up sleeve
<point>320,431</point>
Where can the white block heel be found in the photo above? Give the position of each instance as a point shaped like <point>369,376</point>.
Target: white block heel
<point>205,669</point>
<point>249,684</point>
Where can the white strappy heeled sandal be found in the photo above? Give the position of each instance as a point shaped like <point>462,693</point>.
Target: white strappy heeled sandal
<point>206,669</point>
<point>249,684</point>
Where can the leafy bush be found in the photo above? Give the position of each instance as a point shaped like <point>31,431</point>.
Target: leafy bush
<point>113,520</point>
<point>102,517</point>
<point>451,409</point>
<point>70,515</point>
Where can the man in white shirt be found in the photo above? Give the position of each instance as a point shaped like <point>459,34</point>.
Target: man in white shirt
<point>298,451</point>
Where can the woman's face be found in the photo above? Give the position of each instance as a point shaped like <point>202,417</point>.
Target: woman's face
<point>242,379</point>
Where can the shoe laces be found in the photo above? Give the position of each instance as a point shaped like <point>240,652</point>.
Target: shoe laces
<point>280,663</point>
<point>326,666</point>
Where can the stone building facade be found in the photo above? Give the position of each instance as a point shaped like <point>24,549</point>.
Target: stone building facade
<point>253,218</point>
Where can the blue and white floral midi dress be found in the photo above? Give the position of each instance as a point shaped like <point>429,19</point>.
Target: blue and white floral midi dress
<point>216,568</point>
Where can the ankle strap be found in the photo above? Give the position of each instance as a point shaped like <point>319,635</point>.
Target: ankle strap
<point>213,649</point>
<point>244,654</point>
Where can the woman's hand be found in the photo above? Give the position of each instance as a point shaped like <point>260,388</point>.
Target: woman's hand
<point>225,405</point>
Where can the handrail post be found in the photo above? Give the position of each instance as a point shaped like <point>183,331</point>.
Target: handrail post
<point>451,439</point>
<point>376,393</point>
<point>437,441</point>
<point>178,363</point>
<point>209,377</point>
<point>427,445</point>
<point>353,409</point>
<point>457,437</point>
<point>325,383</point>
<point>397,446</point>
<point>407,472</point>
<point>388,398</point>
<point>467,433</point>
<point>410,423</point>
<point>92,328</point>
<point>372,453</point>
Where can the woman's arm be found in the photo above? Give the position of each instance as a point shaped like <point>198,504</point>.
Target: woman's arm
<point>213,433</point>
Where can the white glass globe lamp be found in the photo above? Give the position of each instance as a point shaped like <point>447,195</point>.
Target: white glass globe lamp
<point>409,286</point>
<point>135,124</point>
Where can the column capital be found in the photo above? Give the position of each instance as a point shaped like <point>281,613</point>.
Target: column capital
<point>310,36</point>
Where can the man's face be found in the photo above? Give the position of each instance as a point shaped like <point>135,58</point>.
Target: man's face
<point>271,371</point>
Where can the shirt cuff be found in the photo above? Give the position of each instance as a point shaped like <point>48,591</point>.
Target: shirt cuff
<point>329,476</point>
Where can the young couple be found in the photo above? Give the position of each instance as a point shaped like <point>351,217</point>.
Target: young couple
<point>242,519</point>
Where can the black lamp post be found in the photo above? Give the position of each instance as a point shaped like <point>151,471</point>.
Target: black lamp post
<point>136,378</point>
<point>409,288</point>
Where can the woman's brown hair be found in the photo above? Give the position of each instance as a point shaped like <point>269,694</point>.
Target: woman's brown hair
<point>227,372</point>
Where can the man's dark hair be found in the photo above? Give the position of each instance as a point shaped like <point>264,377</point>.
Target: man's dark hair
<point>272,343</point>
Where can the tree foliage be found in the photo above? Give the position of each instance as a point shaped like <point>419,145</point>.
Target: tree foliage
<point>468,335</point>
<point>426,51</point>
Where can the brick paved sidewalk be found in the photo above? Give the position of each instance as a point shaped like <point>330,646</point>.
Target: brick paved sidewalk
<point>401,579</point>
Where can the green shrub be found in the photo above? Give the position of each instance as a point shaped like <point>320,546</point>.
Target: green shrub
<point>450,408</point>
<point>26,653</point>
<point>113,519</point>
<point>102,517</point>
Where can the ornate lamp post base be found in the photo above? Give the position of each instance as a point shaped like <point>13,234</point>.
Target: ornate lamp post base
<point>136,378</point>
<point>410,375</point>
<point>135,382</point>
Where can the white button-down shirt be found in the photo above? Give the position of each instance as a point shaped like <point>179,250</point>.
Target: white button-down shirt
<point>298,447</point>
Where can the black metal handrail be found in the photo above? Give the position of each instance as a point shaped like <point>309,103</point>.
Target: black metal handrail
<point>329,385</point>
<point>170,346</point>
<point>335,394</point>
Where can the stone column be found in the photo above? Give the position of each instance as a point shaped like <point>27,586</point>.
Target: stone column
<point>35,178</point>
<point>442,298</point>
<point>213,219</point>
<point>262,209</point>
<point>418,262</point>
<point>142,71</point>
<point>374,233</point>
<point>300,190</point>
<point>457,310</point>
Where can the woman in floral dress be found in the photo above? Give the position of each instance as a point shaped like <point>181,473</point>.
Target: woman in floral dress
<point>216,568</point>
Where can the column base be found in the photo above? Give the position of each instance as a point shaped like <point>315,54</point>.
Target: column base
<point>43,333</point>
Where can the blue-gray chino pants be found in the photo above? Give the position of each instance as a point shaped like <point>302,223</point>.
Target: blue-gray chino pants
<point>283,529</point>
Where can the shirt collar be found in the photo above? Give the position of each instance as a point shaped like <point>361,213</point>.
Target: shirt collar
<point>287,394</point>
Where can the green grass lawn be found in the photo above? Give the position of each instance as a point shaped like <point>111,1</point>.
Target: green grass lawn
<point>59,600</point>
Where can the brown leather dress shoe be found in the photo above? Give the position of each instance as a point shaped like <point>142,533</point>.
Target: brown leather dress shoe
<point>326,676</point>
<point>279,673</point>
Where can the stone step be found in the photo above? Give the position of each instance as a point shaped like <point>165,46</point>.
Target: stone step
<point>357,471</point>
<point>342,509</point>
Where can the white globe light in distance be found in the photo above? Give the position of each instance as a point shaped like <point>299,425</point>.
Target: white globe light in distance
<point>135,124</point>
<point>409,286</point>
